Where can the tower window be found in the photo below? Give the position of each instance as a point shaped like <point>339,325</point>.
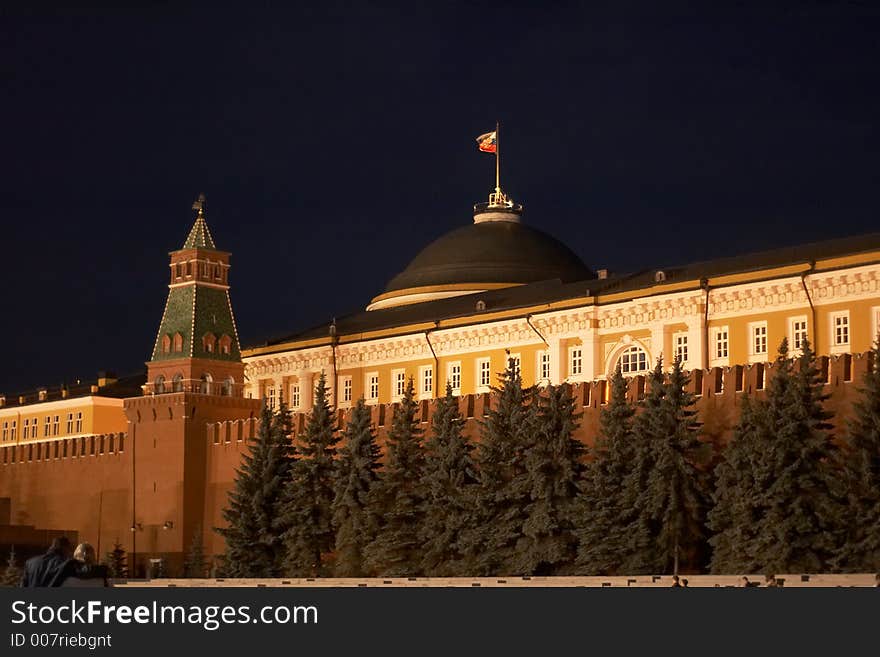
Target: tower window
<point>166,344</point>
<point>178,271</point>
<point>178,342</point>
<point>177,383</point>
<point>209,341</point>
<point>159,386</point>
<point>225,344</point>
<point>189,269</point>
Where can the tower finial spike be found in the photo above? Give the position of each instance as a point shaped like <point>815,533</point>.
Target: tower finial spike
<point>200,204</point>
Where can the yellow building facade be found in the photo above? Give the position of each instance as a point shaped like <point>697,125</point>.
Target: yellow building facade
<point>497,289</point>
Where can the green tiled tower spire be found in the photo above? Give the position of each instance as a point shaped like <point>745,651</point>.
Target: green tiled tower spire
<point>198,320</point>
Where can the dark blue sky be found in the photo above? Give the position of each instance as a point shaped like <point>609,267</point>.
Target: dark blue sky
<point>333,143</point>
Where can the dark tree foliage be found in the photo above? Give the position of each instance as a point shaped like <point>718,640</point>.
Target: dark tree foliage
<point>603,519</point>
<point>195,565</point>
<point>307,508</point>
<point>448,481</point>
<point>553,464</point>
<point>254,547</point>
<point>355,477</point>
<point>13,572</point>
<point>397,496</point>
<point>737,495</point>
<point>667,485</point>
<point>796,531</point>
<point>859,549</point>
<point>503,492</point>
<point>117,561</point>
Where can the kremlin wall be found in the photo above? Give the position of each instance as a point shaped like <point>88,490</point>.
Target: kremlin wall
<point>147,461</point>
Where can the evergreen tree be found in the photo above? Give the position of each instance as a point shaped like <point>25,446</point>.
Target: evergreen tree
<point>307,510</point>
<point>195,564</point>
<point>117,561</point>
<point>355,477</point>
<point>553,473</point>
<point>736,496</point>
<point>603,519</point>
<point>503,492</point>
<point>795,532</point>
<point>449,480</point>
<point>253,537</point>
<point>859,550</point>
<point>637,549</point>
<point>397,496</point>
<point>668,488</point>
<point>13,572</point>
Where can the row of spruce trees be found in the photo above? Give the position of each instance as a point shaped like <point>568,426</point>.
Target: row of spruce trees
<point>530,499</point>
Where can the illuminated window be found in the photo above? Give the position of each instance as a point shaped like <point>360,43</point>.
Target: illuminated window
<point>70,423</point>
<point>79,422</point>
<point>798,332</point>
<point>209,341</point>
<point>840,328</point>
<point>575,361</point>
<point>6,430</point>
<point>633,359</point>
<point>346,390</point>
<point>372,386</point>
<point>26,430</point>
<point>159,385</point>
<point>544,366</point>
<point>426,377</point>
<point>177,383</point>
<point>12,429</point>
<point>680,347</point>
<point>758,342</point>
<point>56,424</point>
<point>398,384</point>
<point>454,377</point>
<point>225,343</point>
<point>722,343</point>
<point>166,344</point>
<point>484,374</point>
<point>270,397</point>
<point>228,386</point>
<point>514,361</point>
<point>178,342</point>
<point>295,398</point>
<point>46,426</point>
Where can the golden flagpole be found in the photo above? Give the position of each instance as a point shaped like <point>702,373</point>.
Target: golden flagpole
<point>498,161</point>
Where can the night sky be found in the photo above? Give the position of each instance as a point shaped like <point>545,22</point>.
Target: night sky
<point>333,143</point>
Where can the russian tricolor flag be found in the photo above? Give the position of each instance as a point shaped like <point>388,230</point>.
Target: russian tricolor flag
<point>487,142</point>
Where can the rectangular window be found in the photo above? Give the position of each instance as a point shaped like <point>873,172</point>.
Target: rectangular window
<point>722,343</point>
<point>680,347</point>
<point>270,397</point>
<point>426,376</point>
<point>484,374</point>
<point>79,422</point>
<point>398,384</point>
<point>372,386</point>
<point>544,366</point>
<point>6,431</point>
<point>295,399</point>
<point>758,346</point>
<point>798,332</point>
<point>875,325</point>
<point>46,426</point>
<point>454,377</point>
<point>840,328</point>
<point>576,361</point>
<point>346,390</point>
<point>517,364</point>
<point>12,430</point>
<point>26,432</point>
<point>70,423</point>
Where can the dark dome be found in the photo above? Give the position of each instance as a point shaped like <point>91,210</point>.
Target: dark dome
<point>491,252</point>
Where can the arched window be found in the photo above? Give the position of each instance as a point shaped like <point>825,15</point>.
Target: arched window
<point>633,359</point>
<point>228,386</point>
<point>159,385</point>
<point>177,383</point>
<point>225,343</point>
<point>206,384</point>
<point>209,341</point>
<point>166,344</point>
<point>178,342</point>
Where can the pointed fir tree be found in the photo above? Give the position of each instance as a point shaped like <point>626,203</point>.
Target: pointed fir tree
<point>859,550</point>
<point>359,459</point>
<point>253,536</point>
<point>503,493</point>
<point>796,530</point>
<point>736,496</point>
<point>397,496</point>
<point>449,479</point>
<point>678,486</point>
<point>554,466</point>
<point>637,544</point>
<point>117,561</point>
<point>307,509</point>
<point>195,565</point>
<point>12,573</point>
<point>602,519</point>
